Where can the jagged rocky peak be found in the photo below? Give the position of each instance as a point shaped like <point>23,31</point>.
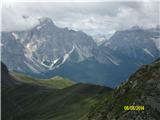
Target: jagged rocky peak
<point>45,21</point>
<point>46,24</point>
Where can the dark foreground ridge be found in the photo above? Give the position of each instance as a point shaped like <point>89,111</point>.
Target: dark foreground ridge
<point>142,89</point>
<point>27,100</point>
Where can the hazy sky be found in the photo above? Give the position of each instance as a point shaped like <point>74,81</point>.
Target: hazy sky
<point>90,17</point>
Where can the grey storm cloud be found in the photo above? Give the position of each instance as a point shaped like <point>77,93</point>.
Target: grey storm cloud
<point>90,17</point>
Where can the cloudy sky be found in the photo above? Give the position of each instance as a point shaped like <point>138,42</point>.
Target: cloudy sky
<point>91,17</point>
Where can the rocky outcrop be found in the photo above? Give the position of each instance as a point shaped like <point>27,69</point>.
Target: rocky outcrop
<point>141,89</point>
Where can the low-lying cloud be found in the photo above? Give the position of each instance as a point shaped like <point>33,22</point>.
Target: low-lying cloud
<point>92,18</point>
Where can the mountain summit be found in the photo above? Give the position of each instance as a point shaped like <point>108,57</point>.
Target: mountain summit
<point>45,20</point>
<point>45,47</point>
<point>47,50</point>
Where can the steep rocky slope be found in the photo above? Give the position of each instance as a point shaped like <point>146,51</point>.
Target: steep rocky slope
<point>141,89</point>
<point>47,50</point>
<point>44,47</point>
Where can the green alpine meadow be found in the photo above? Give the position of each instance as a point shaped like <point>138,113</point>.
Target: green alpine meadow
<point>26,98</point>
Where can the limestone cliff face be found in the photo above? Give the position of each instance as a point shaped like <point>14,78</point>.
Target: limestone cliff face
<point>47,50</point>
<point>142,89</point>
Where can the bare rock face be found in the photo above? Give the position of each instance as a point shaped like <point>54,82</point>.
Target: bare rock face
<point>44,47</point>
<point>142,89</point>
<point>46,50</point>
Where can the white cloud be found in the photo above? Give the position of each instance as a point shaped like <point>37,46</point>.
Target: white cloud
<point>93,18</point>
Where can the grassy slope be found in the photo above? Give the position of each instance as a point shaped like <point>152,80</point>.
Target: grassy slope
<point>55,82</point>
<point>34,101</point>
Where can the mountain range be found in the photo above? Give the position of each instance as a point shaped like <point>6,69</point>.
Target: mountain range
<point>46,50</point>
